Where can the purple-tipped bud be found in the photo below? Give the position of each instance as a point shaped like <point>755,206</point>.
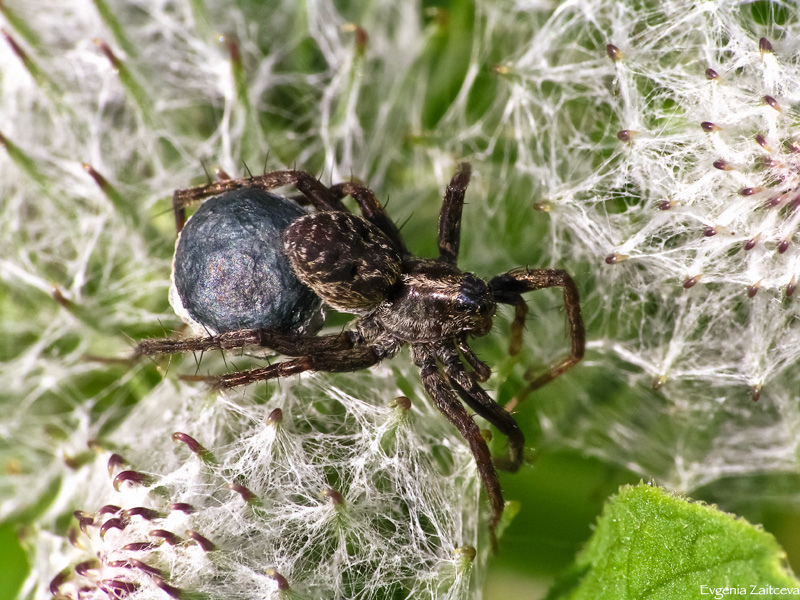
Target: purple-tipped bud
<point>615,258</point>
<point>15,47</point>
<point>84,567</point>
<point>206,544</point>
<point>148,514</point>
<point>769,162</point>
<point>109,53</point>
<point>771,102</point>
<point>115,461</point>
<point>276,416</point>
<point>279,579</point>
<point>139,547</point>
<point>85,520</point>
<point>751,243</point>
<point>246,494</point>
<point>167,536</point>
<point>134,477</point>
<point>776,201</point>
<point>614,53</point>
<point>749,191</point>
<point>755,392</point>
<point>667,204</point>
<point>114,523</point>
<point>143,566</point>
<point>73,535</point>
<point>119,564</point>
<point>722,165</point>
<point>113,587</point>
<point>334,496</point>
<point>234,50</point>
<point>691,281</point>
<point>58,581</point>
<point>101,181</point>
<point>169,589</point>
<point>401,402</point>
<point>192,443</point>
<point>762,141</point>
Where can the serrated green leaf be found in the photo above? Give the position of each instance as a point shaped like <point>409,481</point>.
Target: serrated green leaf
<point>652,544</point>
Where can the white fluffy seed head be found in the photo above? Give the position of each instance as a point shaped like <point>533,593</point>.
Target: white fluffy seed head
<point>317,491</point>
<point>672,182</point>
<point>671,312</point>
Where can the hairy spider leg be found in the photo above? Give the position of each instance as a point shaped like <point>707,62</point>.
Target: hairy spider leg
<point>373,211</point>
<point>450,215</point>
<point>337,352</point>
<point>320,196</point>
<point>482,370</point>
<point>507,289</point>
<point>281,342</point>
<point>518,326</point>
<point>448,404</point>
<point>333,361</point>
<point>479,401</point>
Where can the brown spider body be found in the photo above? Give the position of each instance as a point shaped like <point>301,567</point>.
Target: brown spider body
<point>347,261</point>
<point>432,303</point>
<point>360,265</point>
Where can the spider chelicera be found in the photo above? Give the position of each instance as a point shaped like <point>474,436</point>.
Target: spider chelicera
<point>252,268</point>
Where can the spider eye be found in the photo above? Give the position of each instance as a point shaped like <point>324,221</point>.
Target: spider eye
<point>474,296</point>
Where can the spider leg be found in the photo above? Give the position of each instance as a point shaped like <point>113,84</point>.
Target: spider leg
<point>372,210</point>
<point>518,326</point>
<point>320,196</point>
<point>450,215</point>
<point>479,401</point>
<point>449,405</point>
<point>283,343</point>
<point>507,289</point>
<point>334,361</point>
<point>482,370</point>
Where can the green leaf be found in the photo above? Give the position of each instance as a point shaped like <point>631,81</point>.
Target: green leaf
<point>651,544</point>
<point>13,562</point>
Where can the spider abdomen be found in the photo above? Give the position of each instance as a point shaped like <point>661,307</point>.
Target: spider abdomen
<point>346,260</point>
<point>230,271</point>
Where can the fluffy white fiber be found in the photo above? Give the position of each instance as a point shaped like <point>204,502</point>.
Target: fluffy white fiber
<point>670,192</point>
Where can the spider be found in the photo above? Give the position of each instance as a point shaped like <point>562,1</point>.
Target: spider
<point>252,268</point>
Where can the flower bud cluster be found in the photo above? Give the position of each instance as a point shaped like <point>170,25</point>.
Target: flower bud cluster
<point>324,495</point>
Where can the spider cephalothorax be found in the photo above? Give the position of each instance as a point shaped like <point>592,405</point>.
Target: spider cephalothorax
<point>259,278</point>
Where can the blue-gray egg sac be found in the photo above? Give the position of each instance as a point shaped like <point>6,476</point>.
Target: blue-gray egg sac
<point>230,270</point>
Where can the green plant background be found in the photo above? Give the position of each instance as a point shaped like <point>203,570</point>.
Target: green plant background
<point>562,492</point>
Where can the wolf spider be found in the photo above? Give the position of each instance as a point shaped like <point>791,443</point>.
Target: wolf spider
<point>358,265</point>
